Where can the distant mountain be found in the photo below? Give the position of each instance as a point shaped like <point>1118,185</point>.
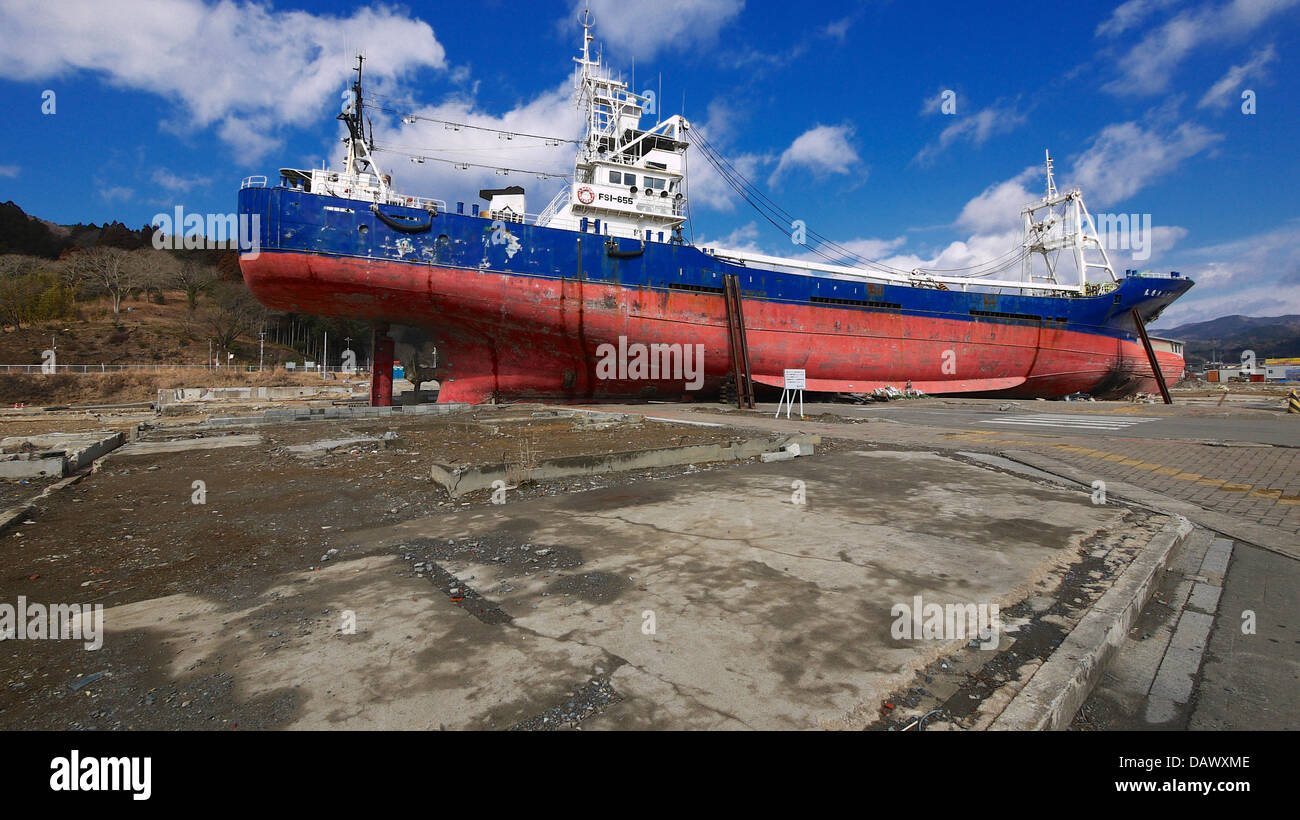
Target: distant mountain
<point>1227,336</point>
<point>24,234</point>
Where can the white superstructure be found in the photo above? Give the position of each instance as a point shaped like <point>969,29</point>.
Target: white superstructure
<point>630,180</point>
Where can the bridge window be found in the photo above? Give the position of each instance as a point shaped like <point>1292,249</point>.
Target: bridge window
<point>629,179</point>
<point>616,177</point>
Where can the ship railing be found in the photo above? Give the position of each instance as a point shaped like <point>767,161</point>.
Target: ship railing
<point>1151,274</point>
<point>257,181</point>
<point>573,223</point>
<point>560,199</point>
<point>421,202</point>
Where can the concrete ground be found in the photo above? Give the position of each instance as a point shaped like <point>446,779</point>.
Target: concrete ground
<point>704,597</point>
<point>1232,469</point>
<point>1243,463</point>
<point>324,582</point>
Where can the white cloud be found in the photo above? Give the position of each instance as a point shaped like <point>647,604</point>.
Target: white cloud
<point>1128,15</point>
<point>115,193</point>
<point>839,29</point>
<point>1224,92</point>
<point>175,183</point>
<point>977,253</point>
<point>744,238</point>
<point>9,171</point>
<point>1122,159</point>
<point>976,128</point>
<point>854,251</point>
<point>997,208</point>
<point>1125,157</point>
<point>1257,275</point>
<point>707,187</point>
<point>549,114</point>
<point>640,31</point>
<point>1149,65</point>
<point>244,66</point>
<point>823,150</point>
<point>1130,239</point>
<point>932,104</point>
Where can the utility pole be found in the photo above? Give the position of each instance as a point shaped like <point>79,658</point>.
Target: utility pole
<point>261,351</point>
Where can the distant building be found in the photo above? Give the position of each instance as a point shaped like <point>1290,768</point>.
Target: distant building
<point>1282,369</point>
<point>1161,345</point>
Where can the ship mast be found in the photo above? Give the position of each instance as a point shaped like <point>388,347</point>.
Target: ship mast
<point>628,181</point>
<point>359,159</point>
<point>1070,230</point>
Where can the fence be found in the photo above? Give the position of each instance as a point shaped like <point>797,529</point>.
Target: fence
<point>113,368</point>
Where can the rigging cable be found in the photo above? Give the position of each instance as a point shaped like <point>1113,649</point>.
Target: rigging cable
<point>459,125</point>
<point>466,165</point>
<point>766,207</point>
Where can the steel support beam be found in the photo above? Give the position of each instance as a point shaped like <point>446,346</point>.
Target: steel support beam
<point>1151,357</point>
<point>381,368</point>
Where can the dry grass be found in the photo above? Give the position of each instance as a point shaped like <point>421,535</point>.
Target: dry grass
<point>132,385</point>
<point>145,333</point>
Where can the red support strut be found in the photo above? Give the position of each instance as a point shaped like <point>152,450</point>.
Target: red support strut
<point>381,368</point>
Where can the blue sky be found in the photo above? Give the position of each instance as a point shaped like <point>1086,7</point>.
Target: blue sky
<point>833,107</point>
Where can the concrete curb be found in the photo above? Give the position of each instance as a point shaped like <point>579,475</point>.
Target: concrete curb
<point>60,454</point>
<point>1060,686</point>
<point>92,455</point>
<point>313,414</point>
<point>1268,538</point>
<point>13,515</point>
<point>457,482</point>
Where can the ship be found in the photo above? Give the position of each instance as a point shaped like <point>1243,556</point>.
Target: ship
<point>601,297</point>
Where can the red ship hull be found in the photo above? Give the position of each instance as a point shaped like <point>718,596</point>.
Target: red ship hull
<point>536,337</point>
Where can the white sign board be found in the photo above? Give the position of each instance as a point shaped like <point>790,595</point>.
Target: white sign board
<point>794,382</point>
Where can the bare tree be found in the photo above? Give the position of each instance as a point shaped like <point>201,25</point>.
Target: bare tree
<point>105,270</point>
<point>193,278</point>
<point>234,312</point>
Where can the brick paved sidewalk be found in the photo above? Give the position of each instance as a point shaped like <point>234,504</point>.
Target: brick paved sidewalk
<point>1259,484</point>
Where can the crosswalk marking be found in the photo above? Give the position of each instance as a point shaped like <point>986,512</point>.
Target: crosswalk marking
<point>1076,420</point>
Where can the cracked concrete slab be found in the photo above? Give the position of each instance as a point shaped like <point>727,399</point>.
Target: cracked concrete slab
<point>759,597</point>
<point>767,613</point>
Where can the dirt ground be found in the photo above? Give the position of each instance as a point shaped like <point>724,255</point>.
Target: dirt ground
<point>122,387</point>
<point>224,613</point>
<point>144,333</point>
<point>13,493</point>
<point>131,533</point>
